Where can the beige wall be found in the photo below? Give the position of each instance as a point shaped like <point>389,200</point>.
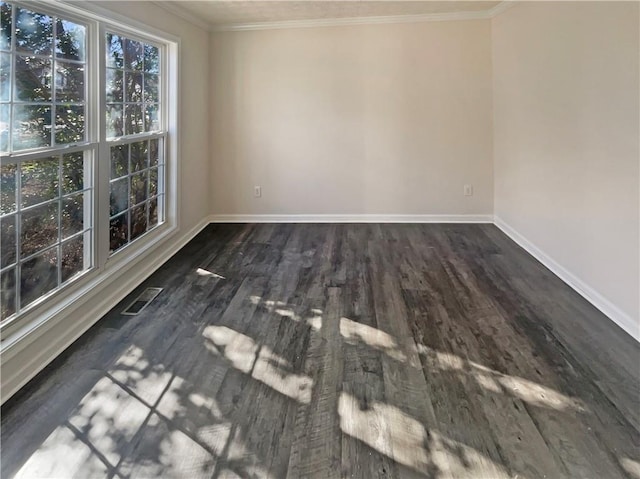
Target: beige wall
<point>377,119</point>
<point>566,139</point>
<point>194,105</point>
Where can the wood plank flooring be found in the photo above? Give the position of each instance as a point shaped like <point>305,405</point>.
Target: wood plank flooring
<point>334,350</point>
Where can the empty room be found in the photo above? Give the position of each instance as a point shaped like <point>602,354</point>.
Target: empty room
<point>320,239</point>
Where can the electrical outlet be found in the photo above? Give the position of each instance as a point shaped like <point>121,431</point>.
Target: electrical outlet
<point>257,191</point>
<point>468,190</point>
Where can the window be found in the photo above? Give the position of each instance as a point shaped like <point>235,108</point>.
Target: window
<point>46,235</point>
<point>133,106</point>
<point>72,124</point>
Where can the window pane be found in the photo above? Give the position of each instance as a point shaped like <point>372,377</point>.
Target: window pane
<point>39,275</point>
<point>151,59</point>
<point>69,82</point>
<point>7,293</point>
<point>31,126</point>
<point>5,26</point>
<point>119,196</point>
<point>33,79</point>
<point>151,122</point>
<point>114,85</point>
<point>7,240</point>
<point>153,212</point>
<point>133,119</point>
<point>69,40</point>
<point>8,188</point>
<point>72,172</point>
<point>153,181</point>
<point>114,121</point>
<point>133,54</point>
<point>4,127</point>
<point>153,152</point>
<point>69,124</point>
<point>39,228</point>
<point>115,51</point>
<point>5,76</point>
<point>34,32</point>
<point>138,188</point>
<point>72,216</point>
<point>119,161</point>
<point>138,221</point>
<point>72,257</point>
<point>133,82</point>
<point>138,155</point>
<point>151,88</point>
<point>118,231</point>
<point>40,180</point>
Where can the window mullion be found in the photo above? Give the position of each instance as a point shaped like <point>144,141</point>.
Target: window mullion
<point>12,79</point>
<point>53,83</point>
<point>102,165</point>
<point>18,226</point>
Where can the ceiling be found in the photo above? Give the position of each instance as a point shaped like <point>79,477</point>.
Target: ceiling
<point>226,13</point>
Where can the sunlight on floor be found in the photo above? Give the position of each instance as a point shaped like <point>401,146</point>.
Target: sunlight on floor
<point>499,383</point>
<point>197,412</point>
<point>167,452</point>
<point>239,349</point>
<point>386,429</point>
<point>397,435</point>
<point>245,461</point>
<point>204,272</point>
<point>259,361</point>
<point>62,455</point>
<point>282,309</point>
<point>106,419</point>
<point>631,467</point>
<point>109,417</point>
<point>353,332</point>
<point>146,379</point>
<point>180,429</point>
<point>97,437</point>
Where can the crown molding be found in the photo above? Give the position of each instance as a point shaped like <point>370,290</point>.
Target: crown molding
<point>336,22</point>
<point>174,8</point>
<point>501,8</point>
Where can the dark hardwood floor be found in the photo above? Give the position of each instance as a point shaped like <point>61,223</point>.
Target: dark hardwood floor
<point>417,351</point>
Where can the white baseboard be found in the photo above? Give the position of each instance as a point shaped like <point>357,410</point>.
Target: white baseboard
<point>587,292</point>
<point>30,354</point>
<point>339,218</point>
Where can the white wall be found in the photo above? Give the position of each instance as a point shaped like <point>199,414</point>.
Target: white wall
<point>566,140</point>
<point>376,119</point>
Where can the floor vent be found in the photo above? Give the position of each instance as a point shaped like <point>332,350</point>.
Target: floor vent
<point>142,301</point>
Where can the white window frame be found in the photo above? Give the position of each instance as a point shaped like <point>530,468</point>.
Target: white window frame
<point>98,21</point>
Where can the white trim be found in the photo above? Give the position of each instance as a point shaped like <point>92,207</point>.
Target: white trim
<point>610,310</point>
<point>26,353</point>
<point>347,218</point>
<point>337,22</point>
<point>175,9</point>
<point>501,8</point>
